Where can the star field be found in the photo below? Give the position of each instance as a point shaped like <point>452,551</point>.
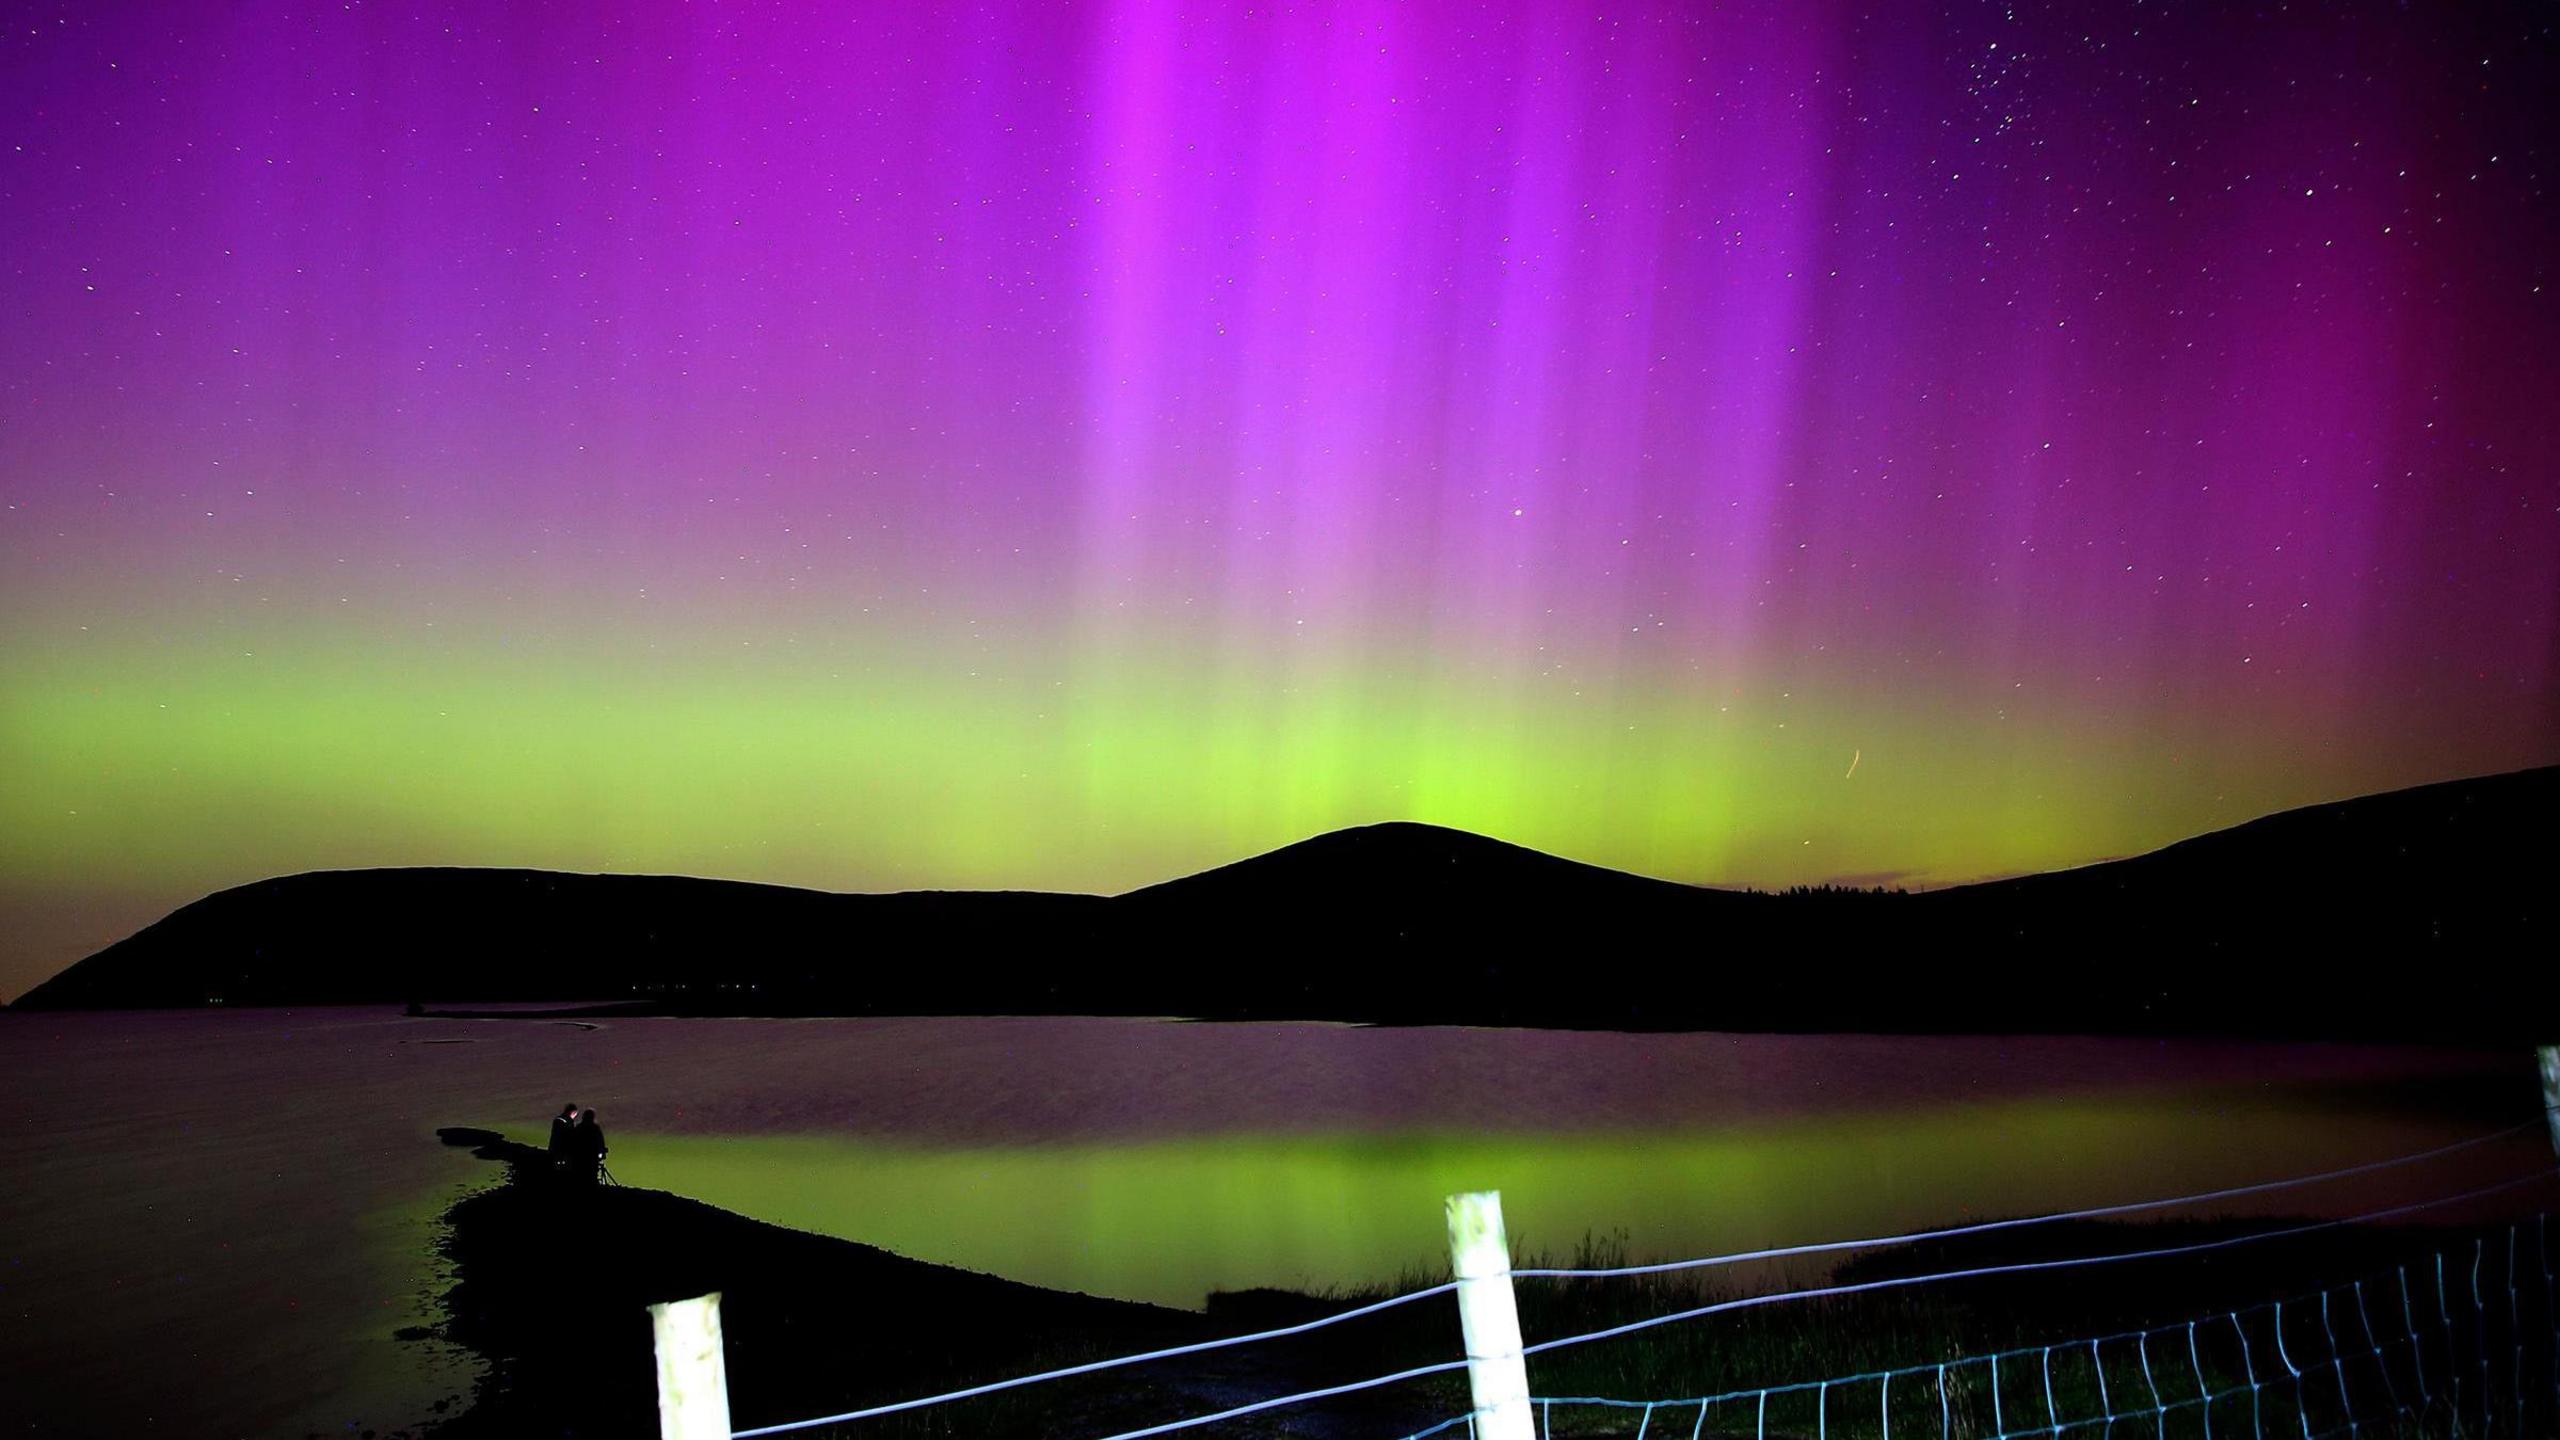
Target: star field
<point>1060,445</point>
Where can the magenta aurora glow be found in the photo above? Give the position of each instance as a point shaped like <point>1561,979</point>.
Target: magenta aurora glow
<point>1059,445</point>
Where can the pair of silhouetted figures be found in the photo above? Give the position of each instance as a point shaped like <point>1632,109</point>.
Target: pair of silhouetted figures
<point>577,1146</point>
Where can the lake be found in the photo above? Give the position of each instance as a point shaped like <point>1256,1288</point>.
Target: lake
<point>219,1222</point>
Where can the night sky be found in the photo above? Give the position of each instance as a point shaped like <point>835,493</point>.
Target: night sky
<point>1059,445</point>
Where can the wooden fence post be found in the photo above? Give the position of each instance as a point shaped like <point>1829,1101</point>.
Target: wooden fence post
<point>1489,1317</point>
<point>693,1375</point>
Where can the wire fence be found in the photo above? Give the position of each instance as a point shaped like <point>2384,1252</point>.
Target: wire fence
<point>1715,1261</point>
<point>1785,1297</point>
<point>2433,1354</point>
<point>2454,1345</point>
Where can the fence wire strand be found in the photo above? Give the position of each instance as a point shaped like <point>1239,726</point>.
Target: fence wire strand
<point>1864,1287</point>
<point>2330,1390</point>
<point>1740,1257</point>
<point>2096,1212</point>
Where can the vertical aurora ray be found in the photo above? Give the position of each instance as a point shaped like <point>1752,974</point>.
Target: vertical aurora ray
<point>1063,445</point>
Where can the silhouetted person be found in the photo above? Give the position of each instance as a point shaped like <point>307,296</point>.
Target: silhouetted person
<point>590,1148</point>
<point>565,1140</point>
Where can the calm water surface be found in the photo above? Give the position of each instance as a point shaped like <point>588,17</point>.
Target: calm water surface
<point>215,1223</point>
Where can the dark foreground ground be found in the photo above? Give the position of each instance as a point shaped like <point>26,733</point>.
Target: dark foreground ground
<point>552,1283</point>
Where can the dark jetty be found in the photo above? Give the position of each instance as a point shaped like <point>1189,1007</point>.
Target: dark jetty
<point>2293,925</point>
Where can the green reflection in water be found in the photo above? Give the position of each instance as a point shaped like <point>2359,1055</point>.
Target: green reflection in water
<point>1171,1220</point>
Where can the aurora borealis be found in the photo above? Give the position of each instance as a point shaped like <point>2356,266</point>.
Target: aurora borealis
<point>1062,445</point>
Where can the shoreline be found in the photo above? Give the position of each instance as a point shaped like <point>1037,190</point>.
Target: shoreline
<point>551,1280</point>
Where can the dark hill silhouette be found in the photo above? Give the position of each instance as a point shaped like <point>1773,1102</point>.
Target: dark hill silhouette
<point>2419,913</point>
<point>2462,869</point>
<point>1402,884</point>
<point>1405,864</point>
<point>354,936</point>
